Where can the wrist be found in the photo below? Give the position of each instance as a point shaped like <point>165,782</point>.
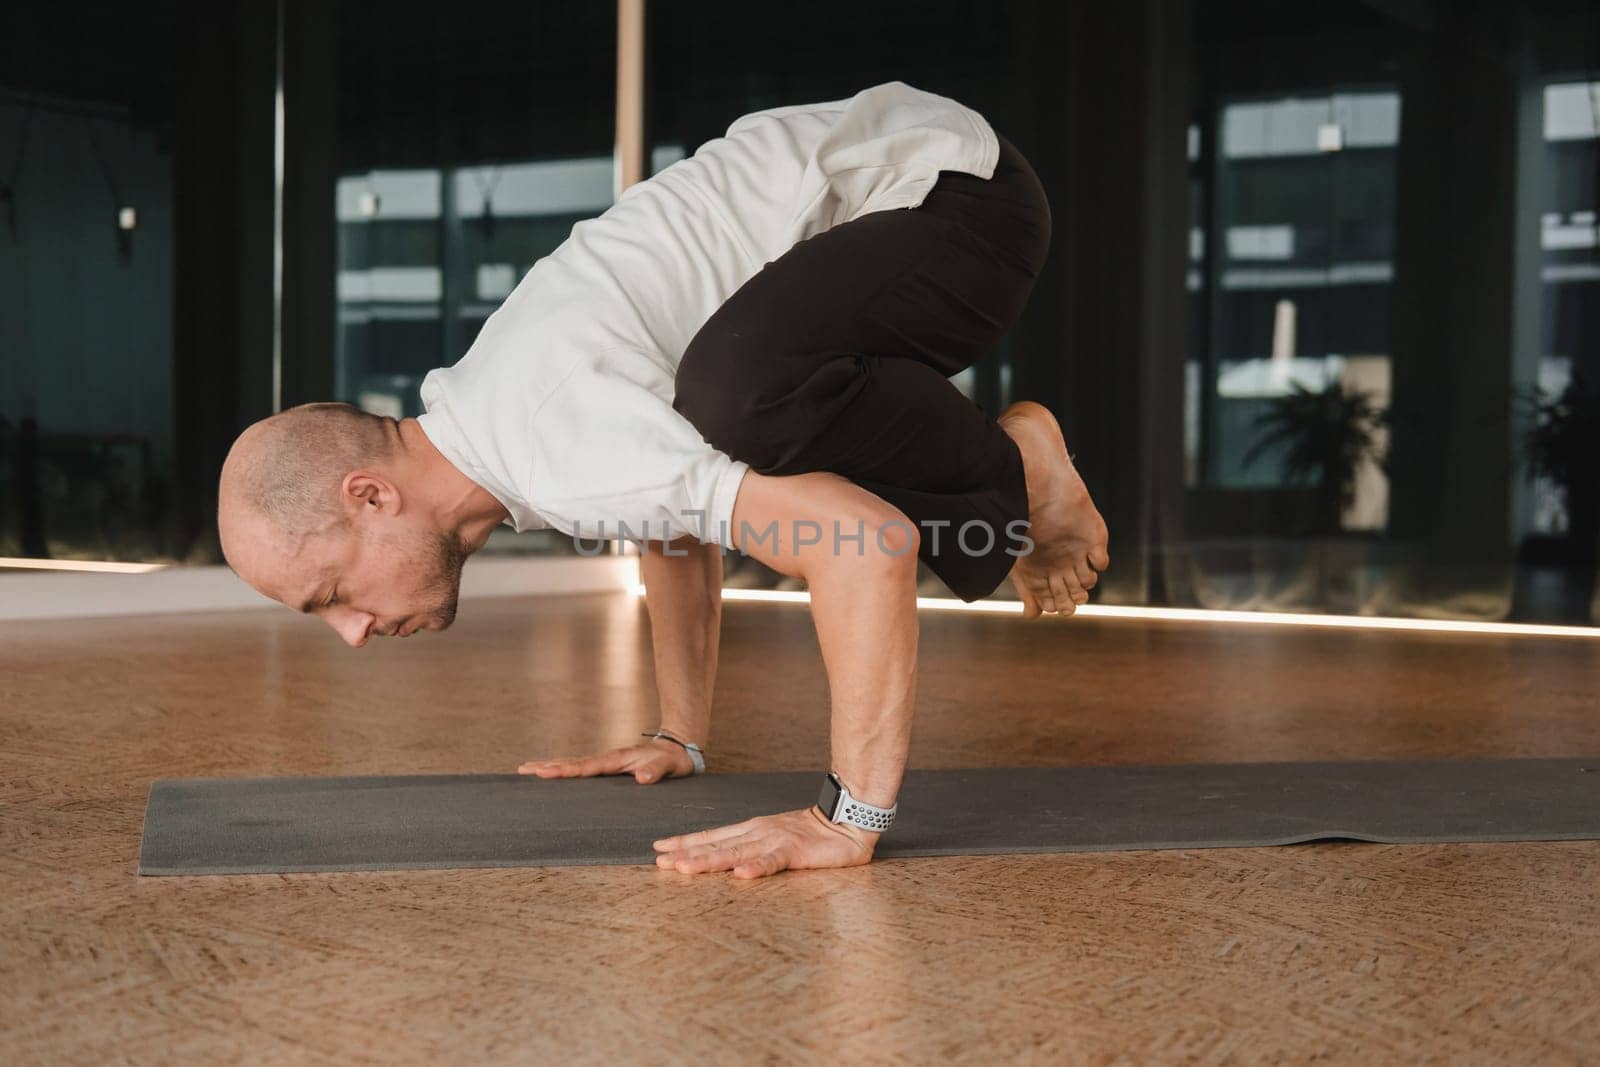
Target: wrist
<point>688,733</point>
<point>665,739</point>
<point>867,839</point>
<point>837,805</point>
<point>882,793</point>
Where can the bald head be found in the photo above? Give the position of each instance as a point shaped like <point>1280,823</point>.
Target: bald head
<point>354,518</point>
<point>283,474</point>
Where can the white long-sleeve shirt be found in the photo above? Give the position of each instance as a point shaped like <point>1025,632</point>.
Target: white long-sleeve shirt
<point>562,407</point>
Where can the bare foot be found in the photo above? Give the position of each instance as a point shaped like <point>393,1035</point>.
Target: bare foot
<point>1068,533</point>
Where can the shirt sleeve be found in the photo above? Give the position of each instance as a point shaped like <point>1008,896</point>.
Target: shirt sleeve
<point>613,460</point>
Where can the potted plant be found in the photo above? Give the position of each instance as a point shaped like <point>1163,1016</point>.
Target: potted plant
<point>1325,436</point>
<point>1562,443</point>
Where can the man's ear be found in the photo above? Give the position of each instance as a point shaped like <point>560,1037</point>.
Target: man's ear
<point>370,492</point>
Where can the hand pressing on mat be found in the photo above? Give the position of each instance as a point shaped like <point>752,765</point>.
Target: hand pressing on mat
<point>649,762</point>
<point>755,848</point>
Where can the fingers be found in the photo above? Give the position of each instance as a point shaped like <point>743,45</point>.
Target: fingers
<point>746,854</point>
<point>1099,558</point>
<point>560,768</point>
<point>704,837</point>
<point>647,763</point>
<point>725,855</point>
<point>584,767</point>
<point>761,866</point>
<point>579,766</point>
<point>755,848</point>
<point>725,848</point>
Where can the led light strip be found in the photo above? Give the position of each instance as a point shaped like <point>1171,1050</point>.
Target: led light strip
<point>1249,618</point>
<point>83,565</point>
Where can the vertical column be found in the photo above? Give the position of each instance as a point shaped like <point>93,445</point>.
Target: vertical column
<point>632,159</point>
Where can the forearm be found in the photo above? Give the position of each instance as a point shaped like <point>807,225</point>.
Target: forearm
<point>864,605</point>
<point>867,627</point>
<point>683,595</point>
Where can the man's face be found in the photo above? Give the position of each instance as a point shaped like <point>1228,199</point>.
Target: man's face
<point>379,578</point>
<point>386,582</point>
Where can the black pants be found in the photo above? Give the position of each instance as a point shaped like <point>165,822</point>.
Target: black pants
<point>836,357</point>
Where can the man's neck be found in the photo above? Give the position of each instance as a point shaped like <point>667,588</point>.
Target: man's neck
<point>456,502</point>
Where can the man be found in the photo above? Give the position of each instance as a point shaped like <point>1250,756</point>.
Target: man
<point>751,350</point>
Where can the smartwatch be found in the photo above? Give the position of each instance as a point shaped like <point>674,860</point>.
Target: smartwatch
<point>839,806</point>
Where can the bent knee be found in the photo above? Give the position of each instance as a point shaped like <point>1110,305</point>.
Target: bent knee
<point>895,537</point>
<point>878,541</point>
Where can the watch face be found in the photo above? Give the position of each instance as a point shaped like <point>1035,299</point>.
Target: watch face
<point>829,800</point>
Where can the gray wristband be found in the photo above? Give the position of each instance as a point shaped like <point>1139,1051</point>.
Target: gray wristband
<point>696,757</point>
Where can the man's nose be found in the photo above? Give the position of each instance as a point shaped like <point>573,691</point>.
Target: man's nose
<point>354,626</point>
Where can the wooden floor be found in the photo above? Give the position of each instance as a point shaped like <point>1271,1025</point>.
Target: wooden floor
<point>1348,952</point>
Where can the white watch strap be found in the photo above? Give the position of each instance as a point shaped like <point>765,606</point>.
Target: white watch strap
<point>856,812</point>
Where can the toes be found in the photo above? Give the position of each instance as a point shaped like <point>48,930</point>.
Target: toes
<point>1039,586</point>
<point>1030,606</point>
<point>1066,593</point>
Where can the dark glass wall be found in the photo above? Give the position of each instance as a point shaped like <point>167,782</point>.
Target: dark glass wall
<point>709,63</point>
<point>470,138</point>
<point>138,311</point>
<point>1320,314</point>
<point>87,433</point>
<point>1392,277</point>
<point>1320,319</point>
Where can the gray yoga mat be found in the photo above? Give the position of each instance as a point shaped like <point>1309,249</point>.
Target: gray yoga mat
<point>271,825</point>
